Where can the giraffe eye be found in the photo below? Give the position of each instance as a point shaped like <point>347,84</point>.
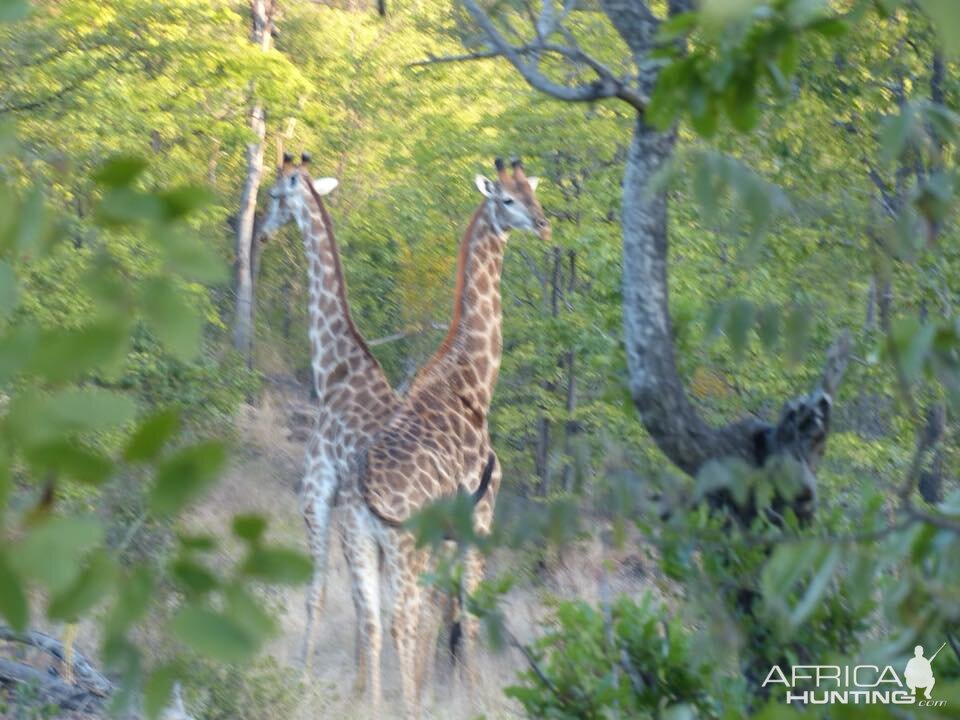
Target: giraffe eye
<point>508,201</point>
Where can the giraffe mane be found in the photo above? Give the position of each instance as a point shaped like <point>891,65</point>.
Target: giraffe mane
<point>338,273</point>
<point>457,292</point>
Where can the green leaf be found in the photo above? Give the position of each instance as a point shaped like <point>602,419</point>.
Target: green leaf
<point>13,10</point>
<point>768,326</point>
<point>829,27</point>
<point>278,565</point>
<point>65,354</point>
<point>249,527</point>
<point>740,318</point>
<point>245,610</point>
<point>190,259</point>
<point>945,17</point>
<point>182,201</point>
<point>184,476</point>
<point>151,435</point>
<point>8,289</point>
<point>741,103</point>
<point>52,551</point>
<point>914,343</point>
<point>194,578</point>
<point>94,582</point>
<point>72,459</point>
<point>120,171</point>
<point>158,689</point>
<point>91,409</point>
<point>895,131</point>
<point>676,26</point>
<point>797,332</point>
<point>213,634</point>
<point>173,319</point>
<point>816,588</point>
<point>134,594</point>
<point>13,599</point>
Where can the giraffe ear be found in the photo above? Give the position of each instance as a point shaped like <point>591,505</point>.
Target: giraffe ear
<point>484,186</point>
<point>324,186</point>
<point>534,181</point>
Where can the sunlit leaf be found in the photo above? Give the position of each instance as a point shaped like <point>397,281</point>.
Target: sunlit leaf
<point>185,475</point>
<point>72,459</point>
<point>193,577</point>
<point>94,582</point>
<point>13,600</point>
<point>158,689</point>
<point>945,15</point>
<point>151,435</point>
<point>249,527</point>
<point>120,171</point>
<point>8,289</point>
<point>52,551</point>
<point>213,634</point>
<point>169,314</point>
<point>278,565</point>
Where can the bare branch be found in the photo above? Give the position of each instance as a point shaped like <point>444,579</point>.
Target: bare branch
<point>393,337</point>
<point>606,85</point>
<point>86,675</point>
<point>51,688</point>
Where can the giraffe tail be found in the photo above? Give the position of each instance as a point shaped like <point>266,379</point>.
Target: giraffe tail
<point>456,628</point>
<point>484,479</point>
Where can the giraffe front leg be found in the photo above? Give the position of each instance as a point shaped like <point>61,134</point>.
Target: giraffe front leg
<point>406,565</point>
<point>474,564</point>
<point>317,496</point>
<point>363,556</point>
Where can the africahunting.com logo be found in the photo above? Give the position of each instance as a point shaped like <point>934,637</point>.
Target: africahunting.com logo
<point>858,684</point>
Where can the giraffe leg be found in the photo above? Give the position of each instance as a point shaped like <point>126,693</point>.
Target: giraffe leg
<point>320,485</point>
<point>363,561</point>
<point>431,620</point>
<point>474,564</point>
<point>405,568</point>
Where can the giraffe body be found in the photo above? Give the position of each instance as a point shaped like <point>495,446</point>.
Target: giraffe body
<point>354,398</point>
<point>355,401</point>
<point>438,441</point>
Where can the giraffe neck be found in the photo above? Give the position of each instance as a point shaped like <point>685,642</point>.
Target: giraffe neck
<point>471,351</point>
<point>337,349</point>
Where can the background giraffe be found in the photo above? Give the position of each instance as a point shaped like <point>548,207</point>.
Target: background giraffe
<point>342,426</point>
<point>439,436</point>
<point>353,392</point>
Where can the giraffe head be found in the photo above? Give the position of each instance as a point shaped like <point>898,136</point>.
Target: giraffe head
<point>511,202</point>
<point>291,192</point>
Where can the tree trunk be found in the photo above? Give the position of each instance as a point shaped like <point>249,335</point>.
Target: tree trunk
<point>656,387</point>
<point>570,427</point>
<point>261,12</point>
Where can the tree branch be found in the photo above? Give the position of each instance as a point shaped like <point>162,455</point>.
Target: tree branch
<point>86,675</point>
<point>606,85</point>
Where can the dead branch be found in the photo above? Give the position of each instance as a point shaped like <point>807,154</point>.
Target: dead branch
<point>87,676</point>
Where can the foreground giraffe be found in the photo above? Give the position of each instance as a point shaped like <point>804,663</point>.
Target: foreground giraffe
<point>439,436</point>
<point>354,395</point>
<point>355,400</point>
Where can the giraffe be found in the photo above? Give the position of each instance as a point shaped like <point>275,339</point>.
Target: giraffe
<point>354,395</point>
<point>439,435</point>
<point>342,426</point>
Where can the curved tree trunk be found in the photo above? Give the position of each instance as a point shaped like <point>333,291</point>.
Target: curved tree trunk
<point>656,387</point>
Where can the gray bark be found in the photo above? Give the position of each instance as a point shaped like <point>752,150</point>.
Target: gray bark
<point>243,328</point>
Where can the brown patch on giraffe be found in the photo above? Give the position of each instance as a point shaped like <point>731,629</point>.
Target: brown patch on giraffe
<point>339,374</point>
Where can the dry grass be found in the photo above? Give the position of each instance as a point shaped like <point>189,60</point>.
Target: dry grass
<point>264,480</point>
